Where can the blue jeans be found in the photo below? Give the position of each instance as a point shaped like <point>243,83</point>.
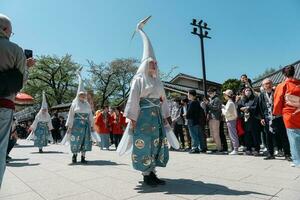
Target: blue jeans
<point>104,141</point>
<point>6,116</point>
<point>294,139</point>
<point>197,137</point>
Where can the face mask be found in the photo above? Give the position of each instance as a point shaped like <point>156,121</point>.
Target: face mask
<point>248,93</point>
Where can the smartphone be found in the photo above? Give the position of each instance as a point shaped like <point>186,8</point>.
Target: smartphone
<point>28,53</point>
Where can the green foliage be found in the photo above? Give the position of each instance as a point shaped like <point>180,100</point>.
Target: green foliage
<point>232,84</point>
<point>56,76</point>
<point>111,80</point>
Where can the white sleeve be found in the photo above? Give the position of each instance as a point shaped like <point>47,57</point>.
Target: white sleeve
<point>50,125</point>
<point>226,109</point>
<point>165,109</point>
<point>91,118</point>
<point>34,124</point>
<point>132,108</point>
<point>70,119</point>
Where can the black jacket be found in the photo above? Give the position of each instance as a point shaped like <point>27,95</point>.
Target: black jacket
<point>195,114</point>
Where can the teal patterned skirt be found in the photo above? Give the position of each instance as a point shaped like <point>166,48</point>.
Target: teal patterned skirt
<point>150,144</point>
<point>41,134</point>
<point>81,133</point>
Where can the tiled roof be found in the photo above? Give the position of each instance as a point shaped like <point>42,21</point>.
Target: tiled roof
<point>193,78</point>
<point>180,88</point>
<point>60,106</point>
<point>277,77</point>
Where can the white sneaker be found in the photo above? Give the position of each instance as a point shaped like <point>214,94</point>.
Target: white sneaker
<point>234,152</point>
<point>293,165</point>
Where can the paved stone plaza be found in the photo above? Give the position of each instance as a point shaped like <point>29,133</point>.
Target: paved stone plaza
<point>34,176</point>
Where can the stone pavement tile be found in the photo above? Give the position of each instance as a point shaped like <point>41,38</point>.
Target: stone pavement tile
<point>126,176</point>
<point>239,188</point>
<point>183,188</point>
<point>113,188</point>
<point>24,196</point>
<point>227,196</point>
<point>8,174</point>
<point>34,173</point>
<point>78,175</point>
<point>273,182</point>
<point>56,187</point>
<point>156,196</point>
<point>55,167</point>
<point>86,196</point>
<point>293,185</point>
<point>12,186</point>
<point>286,194</point>
<point>264,173</point>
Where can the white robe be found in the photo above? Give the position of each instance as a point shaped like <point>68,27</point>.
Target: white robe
<point>132,110</point>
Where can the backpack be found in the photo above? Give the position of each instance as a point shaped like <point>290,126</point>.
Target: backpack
<point>11,82</point>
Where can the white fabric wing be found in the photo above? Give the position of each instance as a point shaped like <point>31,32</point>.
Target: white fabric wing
<point>30,136</point>
<point>95,137</point>
<point>171,137</point>
<point>126,143</point>
<point>66,140</point>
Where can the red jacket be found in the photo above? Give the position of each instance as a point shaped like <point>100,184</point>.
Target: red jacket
<point>117,124</point>
<point>290,86</point>
<point>102,123</point>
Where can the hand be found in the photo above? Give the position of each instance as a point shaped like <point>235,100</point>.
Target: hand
<point>263,122</point>
<point>205,101</point>
<point>133,124</point>
<point>243,109</point>
<point>292,100</point>
<point>30,62</point>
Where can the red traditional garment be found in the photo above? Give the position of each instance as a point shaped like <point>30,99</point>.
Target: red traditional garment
<point>117,123</point>
<point>102,123</point>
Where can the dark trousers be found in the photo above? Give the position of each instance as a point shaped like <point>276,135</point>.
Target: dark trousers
<point>178,130</point>
<point>270,139</point>
<point>252,140</point>
<point>281,138</point>
<point>111,137</point>
<point>187,136</point>
<point>56,135</point>
<point>202,128</point>
<point>223,137</point>
<point>11,144</point>
<point>117,139</point>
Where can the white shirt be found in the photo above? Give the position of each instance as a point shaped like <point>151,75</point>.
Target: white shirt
<point>229,111</point>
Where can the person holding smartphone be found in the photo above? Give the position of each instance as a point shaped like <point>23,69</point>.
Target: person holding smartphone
<point>13,74</point>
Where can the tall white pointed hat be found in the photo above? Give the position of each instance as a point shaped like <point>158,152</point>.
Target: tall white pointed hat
<point>80,89</point>
<point>148,52</point>
<point>44,102</point>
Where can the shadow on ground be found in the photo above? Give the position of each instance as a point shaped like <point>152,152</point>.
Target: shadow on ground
<point>23,146</point>
<point>191,187</point>
<point>97,162</point>
<point>48,152</point>
<point>21,164</point>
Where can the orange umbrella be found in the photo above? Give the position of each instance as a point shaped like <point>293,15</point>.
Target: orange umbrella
<point>24,99</point>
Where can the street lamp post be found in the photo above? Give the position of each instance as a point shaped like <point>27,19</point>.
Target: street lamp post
<point>198,28</point>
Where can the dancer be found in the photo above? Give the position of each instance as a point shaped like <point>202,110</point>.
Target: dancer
<point>41,127</point>
<point>80,124</point>
<point>148,113</point>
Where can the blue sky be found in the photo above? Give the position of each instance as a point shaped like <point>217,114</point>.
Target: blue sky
<point>248,36</point>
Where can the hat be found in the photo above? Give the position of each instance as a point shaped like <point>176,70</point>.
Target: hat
<point>228,93</point>
<point>44,102</point>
